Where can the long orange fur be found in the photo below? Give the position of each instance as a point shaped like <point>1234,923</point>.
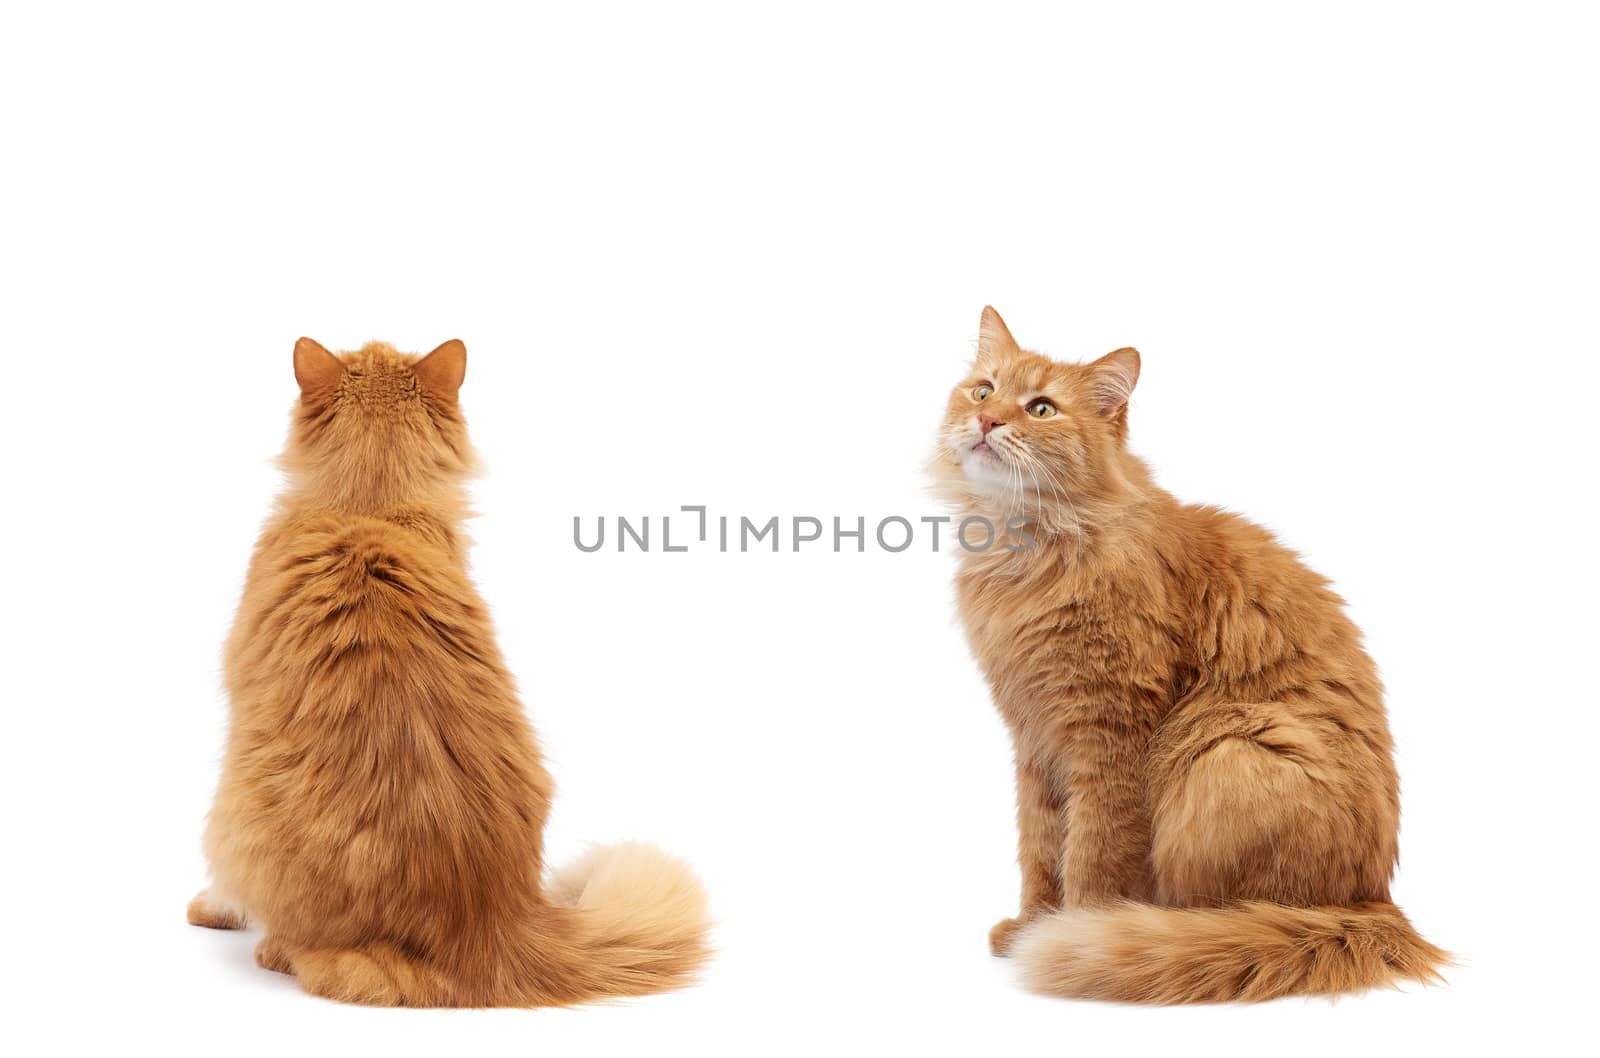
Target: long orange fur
<point>1206,797</point>
<point>382,801</point>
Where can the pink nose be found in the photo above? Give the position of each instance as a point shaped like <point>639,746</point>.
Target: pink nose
<point>987,423</point>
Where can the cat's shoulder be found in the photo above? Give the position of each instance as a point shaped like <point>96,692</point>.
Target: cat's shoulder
<point>331,541</point>
<point>315,527</point>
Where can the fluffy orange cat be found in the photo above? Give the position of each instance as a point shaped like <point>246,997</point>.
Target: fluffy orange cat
<point>1206,797</point>
<point>382,799</point>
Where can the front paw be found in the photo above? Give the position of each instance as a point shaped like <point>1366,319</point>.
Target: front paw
<point>1001,936</point>
<point>205,910</point>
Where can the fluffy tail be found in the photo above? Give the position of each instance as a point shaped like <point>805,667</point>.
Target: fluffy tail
<point>641,918</point>
<point>1139,953</point>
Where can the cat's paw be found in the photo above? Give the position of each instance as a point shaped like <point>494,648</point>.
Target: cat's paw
<point>1001,936</point>
<point>205,910</point>
<point>272,955</point>
<point>348,975</point>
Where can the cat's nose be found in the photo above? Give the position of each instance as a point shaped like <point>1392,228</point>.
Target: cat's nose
<point>987,423</point>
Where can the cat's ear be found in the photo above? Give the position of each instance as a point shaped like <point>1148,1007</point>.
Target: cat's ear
<point>1114,377</point>
<point>442,371</point>
<point>315,368</point>
<point>993,337</point>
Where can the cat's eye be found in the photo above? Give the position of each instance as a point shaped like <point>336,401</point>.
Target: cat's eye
<point>1041,409</point>
<point>983,391</point>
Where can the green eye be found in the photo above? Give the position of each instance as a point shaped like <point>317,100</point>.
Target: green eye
<point>1041,409</point>
<point>983,392</point>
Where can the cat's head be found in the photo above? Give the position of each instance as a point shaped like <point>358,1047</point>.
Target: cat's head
<point>1027,435</point>
<point>376,428</point>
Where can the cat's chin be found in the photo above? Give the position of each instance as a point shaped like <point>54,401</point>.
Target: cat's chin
<point>986,469</point>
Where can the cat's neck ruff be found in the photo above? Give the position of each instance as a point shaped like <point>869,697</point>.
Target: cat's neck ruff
<point>1097,537</point>
<point>444,503</point>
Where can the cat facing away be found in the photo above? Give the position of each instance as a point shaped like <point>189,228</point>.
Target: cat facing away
<point>382,800</point>
<point>1207,803</point>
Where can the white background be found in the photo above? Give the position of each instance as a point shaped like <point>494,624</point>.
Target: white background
<point>736,257</point>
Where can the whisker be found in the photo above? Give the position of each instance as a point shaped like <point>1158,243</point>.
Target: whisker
<point>1061,493</point>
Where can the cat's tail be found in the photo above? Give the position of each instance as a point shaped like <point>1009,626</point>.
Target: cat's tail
<point>641,924</point>
<point>1252,950</point>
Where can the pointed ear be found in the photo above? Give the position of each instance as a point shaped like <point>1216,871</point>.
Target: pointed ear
<point>314,367</point>
<point>993,338</point>
<point>442,370</point>
<point>1114,377</point>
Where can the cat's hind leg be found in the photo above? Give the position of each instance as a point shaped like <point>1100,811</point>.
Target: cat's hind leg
<point>213,912</point>
<point>1264,806</point>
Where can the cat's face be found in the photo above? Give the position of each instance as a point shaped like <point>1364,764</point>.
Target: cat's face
<point>376,427</point>
<point>1024,434</point>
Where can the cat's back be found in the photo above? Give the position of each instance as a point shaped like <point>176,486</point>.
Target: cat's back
<point>1264,619</point>
<point>1234,558</point>
<point>362,652</point>
<point>336,595</point>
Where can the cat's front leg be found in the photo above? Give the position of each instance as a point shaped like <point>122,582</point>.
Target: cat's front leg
<point>1107,841</point>
<point>1041,827</point>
